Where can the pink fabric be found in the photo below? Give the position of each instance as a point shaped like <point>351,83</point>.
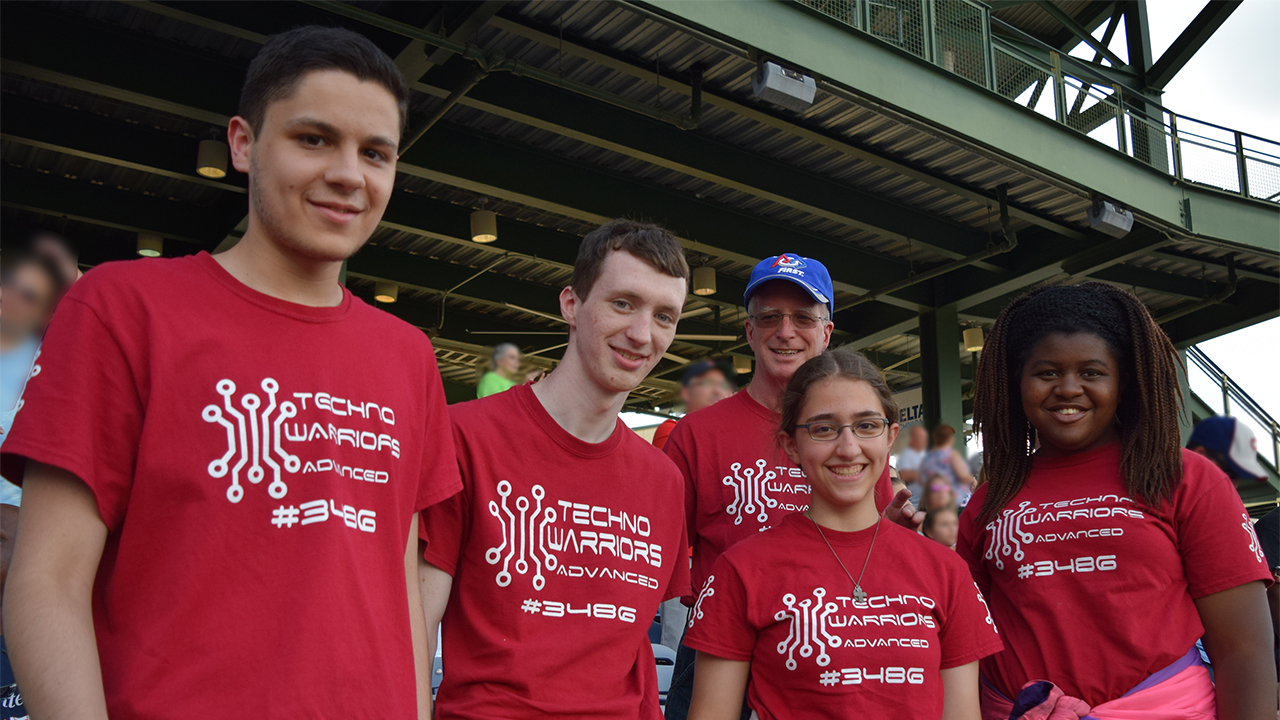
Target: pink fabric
<point>1188,695</point>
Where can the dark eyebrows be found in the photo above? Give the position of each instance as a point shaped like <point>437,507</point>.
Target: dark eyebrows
<point>328,129</point>
<point>832,416</point>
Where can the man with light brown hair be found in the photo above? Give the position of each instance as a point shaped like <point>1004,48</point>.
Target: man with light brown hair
<point>548,567</point>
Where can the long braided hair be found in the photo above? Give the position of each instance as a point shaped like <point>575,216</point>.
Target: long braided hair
<point>1151,455</point>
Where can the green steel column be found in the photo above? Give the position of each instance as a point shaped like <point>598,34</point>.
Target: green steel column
<point>1185,422</point>
<point>940,371</point>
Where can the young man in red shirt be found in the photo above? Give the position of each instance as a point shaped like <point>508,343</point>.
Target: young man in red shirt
<point>222,482</point>
<point>737,482</point>
<point>548,567</point>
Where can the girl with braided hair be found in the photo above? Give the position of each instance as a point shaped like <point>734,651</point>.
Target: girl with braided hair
<point>1104,549</point>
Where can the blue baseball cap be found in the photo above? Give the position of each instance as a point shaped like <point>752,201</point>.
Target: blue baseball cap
<point>805,272</point>
<point>1234,440</point>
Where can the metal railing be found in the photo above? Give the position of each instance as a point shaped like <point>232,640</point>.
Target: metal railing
<point>1235,398</point>
<point>956,35</point>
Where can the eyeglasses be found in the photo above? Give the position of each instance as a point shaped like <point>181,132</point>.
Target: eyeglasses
<point>866,428</point>
<point>803,321</point>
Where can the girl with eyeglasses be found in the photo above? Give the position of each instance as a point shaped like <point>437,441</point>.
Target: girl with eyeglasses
<point>1104,548</point>
<point>838,612</point>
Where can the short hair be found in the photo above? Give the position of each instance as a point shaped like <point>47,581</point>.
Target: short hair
<point>841,363</point>
<point>751,304</point>
<point>1147,416</point>
<point>931,517</point>
<point>15,259</point>
<point>943,433</point>
<point>501,348</point>
<point>653,244</point>
<point>279,66</point>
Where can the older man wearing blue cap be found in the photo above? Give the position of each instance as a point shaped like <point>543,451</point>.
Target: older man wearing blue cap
<point>737,483</point>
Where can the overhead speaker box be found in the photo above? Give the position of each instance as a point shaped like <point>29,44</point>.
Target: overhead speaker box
<point>789,88</point>
<point>1107,217</point>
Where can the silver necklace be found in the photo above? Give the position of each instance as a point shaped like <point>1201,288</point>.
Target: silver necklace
<point>859,594</point>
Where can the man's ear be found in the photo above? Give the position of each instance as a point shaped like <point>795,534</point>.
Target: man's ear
<point>569,305</point>
<point>240,140</point>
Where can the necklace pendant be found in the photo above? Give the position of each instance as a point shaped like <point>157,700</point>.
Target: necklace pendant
<point>859,595</point>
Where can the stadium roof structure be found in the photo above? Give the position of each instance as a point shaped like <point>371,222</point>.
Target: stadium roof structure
<point>945,165</point>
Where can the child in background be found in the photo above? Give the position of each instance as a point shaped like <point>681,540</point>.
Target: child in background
<point>942,524</point>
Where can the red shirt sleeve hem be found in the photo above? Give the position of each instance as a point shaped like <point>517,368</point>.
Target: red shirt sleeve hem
<point>20,453</point>
<point>948,663</point>
<point>441,496</point>
<point>1233,582</point>
<point>717,650</point>
<point>449,565</point>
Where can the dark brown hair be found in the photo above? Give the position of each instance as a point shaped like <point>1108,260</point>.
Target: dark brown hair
<point>651,243</point>
<point>931,518</point>
<point>1151,455</point>
<point>841,363</point>
<point>285,58</point>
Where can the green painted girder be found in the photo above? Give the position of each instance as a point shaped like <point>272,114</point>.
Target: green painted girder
<point>719,231</point>
<point>1089,18</point>
<point>135,146</point>
<point>1083,34</point>
<point>938,98</point>
<point>453,151</point>
<point>1217,263</point>
<point>1189,42</point>
<point>86,135</point>
<point>187,222</point>
<point>692,153</point>
<point>1164,283</point>
<point>1253,302</point>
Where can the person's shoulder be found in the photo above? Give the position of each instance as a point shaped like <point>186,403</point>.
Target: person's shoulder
<point>122,280</point>
<point>387,327</point>
<point>484,411</point>
<point>713,418</point>
<point>643,458</point>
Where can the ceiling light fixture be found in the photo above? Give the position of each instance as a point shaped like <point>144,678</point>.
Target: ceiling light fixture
<point>150,245</point>
<point>386,292</point>
<point>704,280</point>
<point>484,226</point>
<point>741,365</point>
<point>211,159</point>
<point>973,339</point>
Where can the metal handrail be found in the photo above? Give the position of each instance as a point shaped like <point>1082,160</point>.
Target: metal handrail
<point>1231,390</point>
<point>1144,129</point>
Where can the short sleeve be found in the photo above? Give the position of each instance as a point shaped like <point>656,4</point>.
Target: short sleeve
<point>445,525</point>
<point>1219,546</point>
<point>969,542</point>
<point>678,585</point>
<point>677,449</point>
<point>81,411</point>
<point>718,622</point>
<point>969,633</point>
<point>438,478</point>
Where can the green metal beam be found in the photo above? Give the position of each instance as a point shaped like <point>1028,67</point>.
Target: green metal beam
<point>1189,42</point>
<point>1164,283</point>
<point>1252,303</point>
<point>519,173</point>
<point>938,99</point>
<point>1090,17</point>
<point>940,370</point>
<point>761,113</point>
<point>696,155</point>
<point>1216,263</point>
<point>1081,33</point>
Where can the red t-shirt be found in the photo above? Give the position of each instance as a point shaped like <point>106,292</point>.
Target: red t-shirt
<point>780,601</point>
<point>560,552</point>
<point>257,464</point>
<point>1094,591</point>
<point>737,481</point>
<point>662,433</point>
